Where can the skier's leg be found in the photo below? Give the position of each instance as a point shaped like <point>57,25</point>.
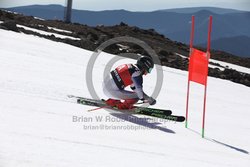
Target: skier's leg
<point>109,89</point>
<point>131,101</point>
<point>112,102</point>
<point>130,98</point>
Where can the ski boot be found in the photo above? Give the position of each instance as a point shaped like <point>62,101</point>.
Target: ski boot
<point>127,104</point>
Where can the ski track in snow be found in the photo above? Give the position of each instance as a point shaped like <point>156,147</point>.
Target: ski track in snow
<point>37,127</point>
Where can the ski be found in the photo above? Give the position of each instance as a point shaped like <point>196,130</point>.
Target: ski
<point>136,109</point>
<point>158,113</point>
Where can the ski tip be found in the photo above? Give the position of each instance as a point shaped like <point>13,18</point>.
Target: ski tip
<point>181,119</point>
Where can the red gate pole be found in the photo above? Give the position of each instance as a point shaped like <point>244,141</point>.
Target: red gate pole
<point>190,53</point>
<point>204,111</point>
<point>208,56</point>
<point>192,34</point>
<point>186,123</point>
<point>209,35</point>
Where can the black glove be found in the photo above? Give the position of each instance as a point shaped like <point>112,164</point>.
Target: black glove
<point>132,87</point>
<point>150,100</point>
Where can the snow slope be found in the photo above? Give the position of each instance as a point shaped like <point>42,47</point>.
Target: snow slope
<point>38,126</point>
<point>49,33</point>
<point>224,65</point>
<point>232,66</point>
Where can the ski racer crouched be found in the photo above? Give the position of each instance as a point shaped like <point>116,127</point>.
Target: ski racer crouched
<point>128,75</point>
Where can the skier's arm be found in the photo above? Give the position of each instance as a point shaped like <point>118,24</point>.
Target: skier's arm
<point>137,82</point>
<point>138,89</point>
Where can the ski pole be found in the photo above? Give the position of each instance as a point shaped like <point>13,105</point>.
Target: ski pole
<point>98,108</point>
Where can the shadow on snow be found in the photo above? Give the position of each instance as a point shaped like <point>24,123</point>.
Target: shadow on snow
<point>145,122</point>
<point>221,143</point>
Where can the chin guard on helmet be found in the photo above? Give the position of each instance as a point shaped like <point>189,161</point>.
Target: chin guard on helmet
<point>145,63</point>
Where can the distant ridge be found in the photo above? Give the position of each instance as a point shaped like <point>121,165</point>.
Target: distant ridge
<point>196,9</point>
<point>230,45</point>
<point>51,6</point>
<point>173,23</point>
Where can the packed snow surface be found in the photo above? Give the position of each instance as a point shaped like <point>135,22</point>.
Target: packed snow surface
<point>59,30</point>
<point>47,33</point>
<point>224,65</point>
<point>40,126</point>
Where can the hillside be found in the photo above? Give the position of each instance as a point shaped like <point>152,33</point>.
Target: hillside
<point>229,45</point>
<point>37,119</point>
<point>173,24</point>
<point>90,38</point>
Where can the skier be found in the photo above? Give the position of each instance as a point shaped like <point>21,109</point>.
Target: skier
<point>128,75</point>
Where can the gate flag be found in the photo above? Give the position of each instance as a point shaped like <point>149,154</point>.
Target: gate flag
<point>198,67</point>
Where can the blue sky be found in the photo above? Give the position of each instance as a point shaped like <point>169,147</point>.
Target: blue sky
<point>134,5</point>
